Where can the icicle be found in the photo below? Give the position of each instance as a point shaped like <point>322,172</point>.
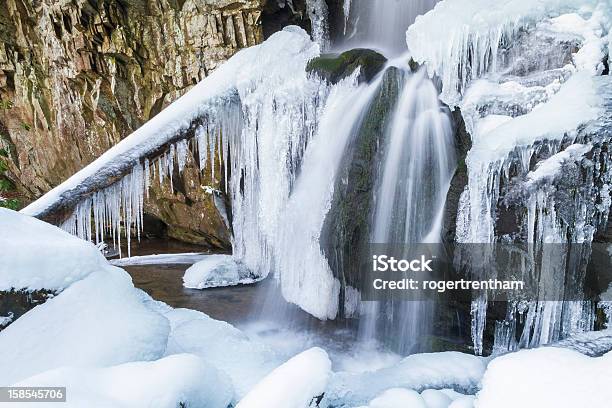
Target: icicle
<point>182,149</point>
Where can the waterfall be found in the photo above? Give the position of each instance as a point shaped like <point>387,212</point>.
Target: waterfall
<point>419,163</point>
<point>304,272</point>
<point>383,23</point>
<point>418,166</point>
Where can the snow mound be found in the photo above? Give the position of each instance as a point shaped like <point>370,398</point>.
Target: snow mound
<point>220,344</point>
<point>547,377</point>
<point>418,372</point>
<point>292,385</point>
<point>216,271</point>
<point>98,321</point>
<point>398,398</point>
<point>165,383</point>
<point>36,255</point>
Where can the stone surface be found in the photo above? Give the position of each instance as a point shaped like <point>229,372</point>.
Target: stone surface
<point>334,67</point>
<point>78,76</point>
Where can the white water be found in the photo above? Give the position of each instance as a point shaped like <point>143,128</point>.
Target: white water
<point>382,23</point>
<point>418,167</point>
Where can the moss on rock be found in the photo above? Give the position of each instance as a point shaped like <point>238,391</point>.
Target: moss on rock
<point>334,67</point>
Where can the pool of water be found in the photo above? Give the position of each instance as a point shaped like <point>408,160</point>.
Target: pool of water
<point>260,311</point>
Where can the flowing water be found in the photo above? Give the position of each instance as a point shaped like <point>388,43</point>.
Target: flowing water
<point>418,166</point>
<point>382,24</point>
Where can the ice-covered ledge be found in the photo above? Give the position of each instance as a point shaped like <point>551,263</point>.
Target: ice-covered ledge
<point>205,104</point>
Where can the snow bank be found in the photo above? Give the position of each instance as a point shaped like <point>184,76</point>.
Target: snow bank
<point>547,377</point>
<point>36,255</point>
<point>215,271</point>
<point>418,372</point>
<point>459,40</point>
<point>218,343</point>
<point>165,383</point>
<point>292,385</point>
<point>98,321</point>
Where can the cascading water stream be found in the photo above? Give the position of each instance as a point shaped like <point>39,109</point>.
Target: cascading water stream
<point>382,23</point>
<point>416,173</point>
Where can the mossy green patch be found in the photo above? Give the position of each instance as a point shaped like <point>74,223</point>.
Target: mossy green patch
<point>334,67</point>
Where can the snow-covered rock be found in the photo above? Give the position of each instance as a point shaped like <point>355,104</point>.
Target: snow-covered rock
<point>165,383</point>
<point>292,385</point>
<point>244,360</point>
<point>35,255</point>
<point>215,271</point>
<point>547,377</point>
<point>417,372</point>
<point>97,321</point>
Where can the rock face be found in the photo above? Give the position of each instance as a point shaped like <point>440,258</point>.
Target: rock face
<point>78,76</point>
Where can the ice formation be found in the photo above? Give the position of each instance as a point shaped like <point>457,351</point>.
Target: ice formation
<point>469,42</point>
<point>319,18</point>
<point>524,76</point>
<point>188,258</point>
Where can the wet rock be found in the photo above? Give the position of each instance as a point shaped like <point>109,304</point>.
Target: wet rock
<point>346,230</point>
<point>334,67</point>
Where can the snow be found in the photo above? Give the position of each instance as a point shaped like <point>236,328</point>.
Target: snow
<point>418,372</point>
<point>101,321</point>
<point>445,37</point>
<point>398,398</point>
<point>463,402</point>
<point>188,258</point>
<point>97,321</point>
<point>217,271</point>
<point>577,103</point>
<point>36,255</point>
<point>220,344</point>
<point>436,399</point>
<point>164,383</point>
<point>294,384</point>
<point>547,377</point>
<point>547,170</point>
